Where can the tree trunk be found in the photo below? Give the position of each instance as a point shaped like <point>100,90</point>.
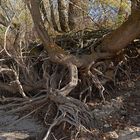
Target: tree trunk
<point>123,35</point>
<point>43,10</point>
<point>120,14</point>
<point>63,18</point>
<point>54,24</point>
<point>112,43</point>
<point>77,9</point>
<point>56,53</point>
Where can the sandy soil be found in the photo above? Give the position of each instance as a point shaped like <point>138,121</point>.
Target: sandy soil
<point>119,120</point>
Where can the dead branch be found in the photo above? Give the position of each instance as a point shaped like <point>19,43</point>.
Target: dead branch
<point>17,82</point>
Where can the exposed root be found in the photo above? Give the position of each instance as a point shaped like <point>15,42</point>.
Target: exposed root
<point>43,82</point>
<point>98,84</point>
<point>72,111</point>
<point>73,81</point>
<point>16,81</point>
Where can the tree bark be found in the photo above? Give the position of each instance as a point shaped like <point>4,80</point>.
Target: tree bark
<point>63,18</point>
<point>122,36</point>
<point>38,23</point>
<point>77,9</point>
<point>43,10</point>
<point>53,20</point>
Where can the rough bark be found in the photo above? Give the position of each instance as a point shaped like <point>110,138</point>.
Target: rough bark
<point>56,53</point>
<point>77,9</point>
<point>53,20</point>
<point>38,23</point>
<point>63,19</point>
<point>43,10</point>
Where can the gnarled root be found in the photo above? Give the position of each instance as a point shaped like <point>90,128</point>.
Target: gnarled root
<point>72,111</point>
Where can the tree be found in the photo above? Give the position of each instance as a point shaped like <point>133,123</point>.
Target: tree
<point>77,10</point>
<point>52,16</point>
<point>63,15</point>
<point>112,43</point>
<point>126,33</point>
<point>43,10</point>
<point>70,15</point>
<point>109,46</point>
<point>68,108</point>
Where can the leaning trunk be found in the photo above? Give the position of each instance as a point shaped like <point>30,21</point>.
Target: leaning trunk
<point>112,43</point>
<point>123,35</point>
